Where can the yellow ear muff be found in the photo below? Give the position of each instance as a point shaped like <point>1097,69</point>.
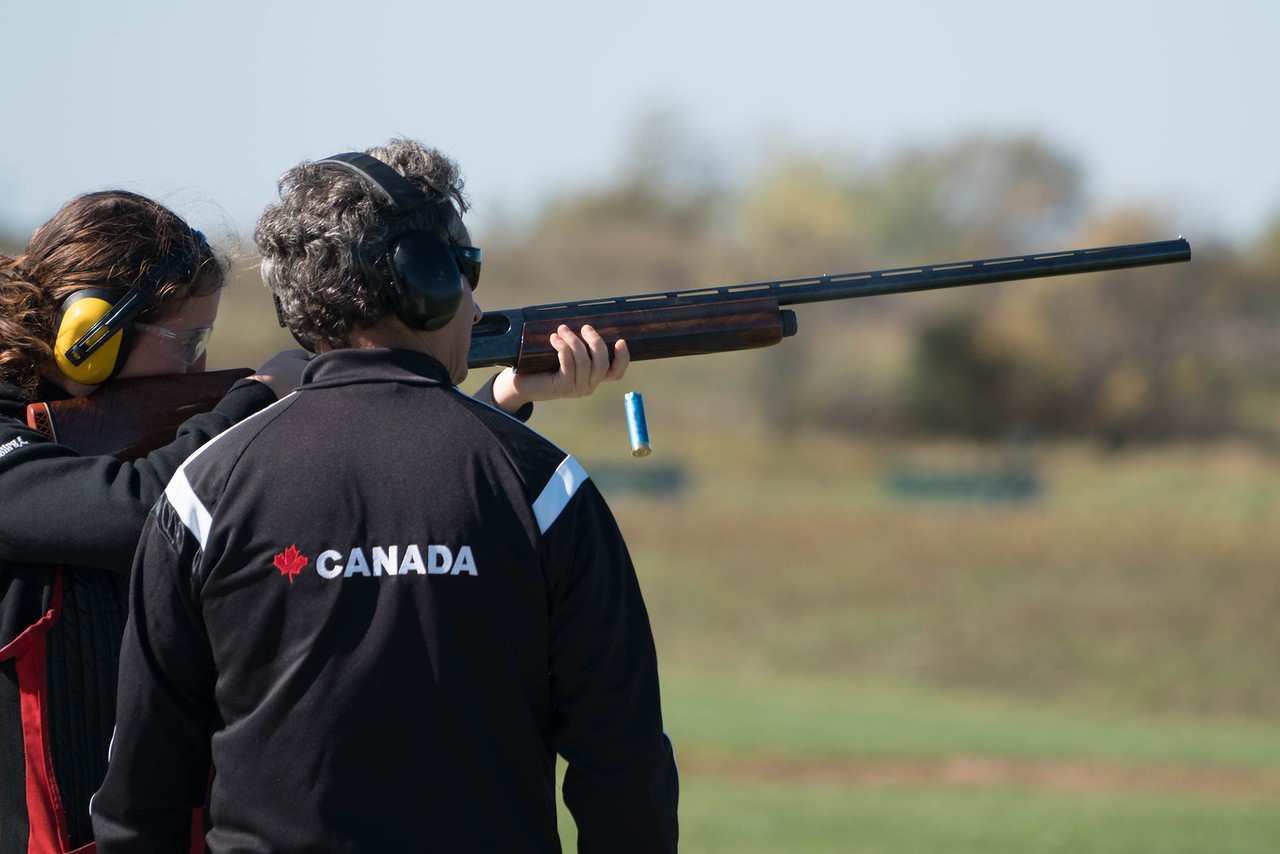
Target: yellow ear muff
<point>80,312</point>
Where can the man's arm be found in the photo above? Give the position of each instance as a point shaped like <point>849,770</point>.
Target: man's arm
<point>583,361</point>
<point>621,784</point>
<point>160,761</point>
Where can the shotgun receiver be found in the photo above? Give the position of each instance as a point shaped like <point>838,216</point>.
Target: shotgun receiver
<point>128,418</point>
<point>740,317</point>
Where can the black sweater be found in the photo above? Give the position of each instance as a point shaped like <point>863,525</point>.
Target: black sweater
<point>379,609</point>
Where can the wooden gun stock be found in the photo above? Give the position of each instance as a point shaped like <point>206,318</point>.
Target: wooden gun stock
<point>662,333</point>
<point>130,418</point>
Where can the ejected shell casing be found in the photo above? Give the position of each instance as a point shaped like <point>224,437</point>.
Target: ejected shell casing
<point>636,425</point>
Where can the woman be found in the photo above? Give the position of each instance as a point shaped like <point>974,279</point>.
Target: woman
<point>114,286</point>
<point>122,258</point>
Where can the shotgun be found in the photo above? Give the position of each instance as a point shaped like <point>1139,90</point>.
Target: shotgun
<point>127,418</point>
<point>740,317</point>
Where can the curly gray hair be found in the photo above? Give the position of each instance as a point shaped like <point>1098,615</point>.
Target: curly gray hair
<point>324,246</point>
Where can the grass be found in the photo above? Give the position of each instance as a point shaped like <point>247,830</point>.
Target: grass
<point>740,714</point>
<point>813,765</point>
<point>727,816</point>
<point>1143,582</point>
<point>844,670</point>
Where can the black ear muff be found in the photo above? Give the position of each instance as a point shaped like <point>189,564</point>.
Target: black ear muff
<point>427,278</point>
<point>428,281</point>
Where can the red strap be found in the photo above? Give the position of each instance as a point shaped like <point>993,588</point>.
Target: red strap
<point>49,833</point>
<point>45,811</point>
<point>197,831</point>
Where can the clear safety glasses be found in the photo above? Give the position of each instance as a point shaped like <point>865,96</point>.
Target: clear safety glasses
<point>190,344</point>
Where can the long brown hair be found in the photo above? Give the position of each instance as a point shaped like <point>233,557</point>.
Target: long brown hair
<point>107,240</point>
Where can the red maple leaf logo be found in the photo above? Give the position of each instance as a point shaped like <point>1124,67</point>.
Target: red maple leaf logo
<point>290,562</point>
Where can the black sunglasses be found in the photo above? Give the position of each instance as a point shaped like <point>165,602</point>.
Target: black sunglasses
<point>468,258</point>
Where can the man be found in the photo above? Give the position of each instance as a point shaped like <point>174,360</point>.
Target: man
<point>379,609</point>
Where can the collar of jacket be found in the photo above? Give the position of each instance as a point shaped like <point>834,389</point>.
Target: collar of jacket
<point>14,400</point>
<point>347,366</point>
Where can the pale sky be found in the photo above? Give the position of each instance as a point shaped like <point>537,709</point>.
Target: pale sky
<point>204,105</point>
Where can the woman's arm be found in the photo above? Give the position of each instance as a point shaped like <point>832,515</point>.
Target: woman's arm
<point>61,507</point>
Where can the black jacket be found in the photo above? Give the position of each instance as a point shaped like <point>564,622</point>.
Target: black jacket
<point>60,623</point>
<point>69,527</point>
<point>379,609</point>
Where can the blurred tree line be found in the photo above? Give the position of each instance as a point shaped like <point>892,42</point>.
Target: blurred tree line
<point>1175,352</point>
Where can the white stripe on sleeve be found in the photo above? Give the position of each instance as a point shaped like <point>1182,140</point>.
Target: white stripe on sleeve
<point>193,514</point>
<point>556,494</point>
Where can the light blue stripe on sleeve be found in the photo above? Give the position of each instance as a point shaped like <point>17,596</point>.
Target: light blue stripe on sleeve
<point>556,494</point>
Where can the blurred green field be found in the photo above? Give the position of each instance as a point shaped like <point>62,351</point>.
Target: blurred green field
<point>816,765</point>
<point>846,669</point>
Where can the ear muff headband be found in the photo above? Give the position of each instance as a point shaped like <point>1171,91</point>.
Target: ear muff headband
<point>428,281</point>
<point>95,328</point>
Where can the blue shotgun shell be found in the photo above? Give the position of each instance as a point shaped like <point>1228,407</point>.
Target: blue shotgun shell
<point>636,425</point>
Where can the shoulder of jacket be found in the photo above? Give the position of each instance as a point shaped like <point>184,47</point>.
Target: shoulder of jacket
<point>213,461</point>
<point>13,403</point>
